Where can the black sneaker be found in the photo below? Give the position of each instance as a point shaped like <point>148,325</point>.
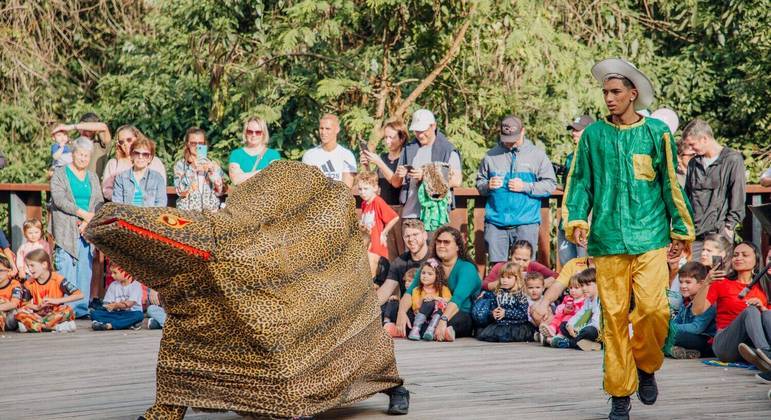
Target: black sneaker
<point>400,401</point>
<point>137,326</point>
<point>764,376</point>
<point>647,390</point>
<point>98,326</point>
<point>621,407</point>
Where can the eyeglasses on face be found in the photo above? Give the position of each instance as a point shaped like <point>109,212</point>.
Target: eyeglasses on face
<point>128,140</point>
<point>253,132</point>
<point>144,155</point>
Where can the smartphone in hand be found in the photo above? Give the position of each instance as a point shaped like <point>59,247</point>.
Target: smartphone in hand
<point>717,262</point>
<point>201,152</point>
<point>363,145</point>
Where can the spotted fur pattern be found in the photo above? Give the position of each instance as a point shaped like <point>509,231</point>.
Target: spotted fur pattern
<point>270,306</point>
<point>436,186</point>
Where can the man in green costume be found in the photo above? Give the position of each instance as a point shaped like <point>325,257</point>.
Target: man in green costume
<point>624,174</point>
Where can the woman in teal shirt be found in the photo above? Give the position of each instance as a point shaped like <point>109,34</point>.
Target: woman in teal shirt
<point>75,193</point>
<point>464,283</point>
<point>246,161</point>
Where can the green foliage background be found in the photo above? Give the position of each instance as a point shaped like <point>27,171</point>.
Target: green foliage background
<point>167,65</point>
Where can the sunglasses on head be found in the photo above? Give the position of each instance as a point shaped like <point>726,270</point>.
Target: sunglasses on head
<point>254,132</point>
<point>145,155</point>
<point>128,140</point>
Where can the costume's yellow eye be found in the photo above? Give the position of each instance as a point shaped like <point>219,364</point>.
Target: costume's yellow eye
<point>173,221</point>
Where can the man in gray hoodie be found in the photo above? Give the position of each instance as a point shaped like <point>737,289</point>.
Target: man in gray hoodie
<point>514,176</point>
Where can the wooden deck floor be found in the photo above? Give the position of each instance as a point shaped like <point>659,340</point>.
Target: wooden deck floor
<point>111,375</point>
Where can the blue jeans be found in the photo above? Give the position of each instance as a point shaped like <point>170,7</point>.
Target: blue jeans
<point>157,313</point>
<point>567,250</point>
<point>78,272</point>
<point>119,320</point>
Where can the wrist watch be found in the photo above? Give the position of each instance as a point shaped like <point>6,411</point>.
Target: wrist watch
<point>443,318</point>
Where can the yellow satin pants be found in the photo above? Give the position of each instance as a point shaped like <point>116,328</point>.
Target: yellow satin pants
<point>618,277</point>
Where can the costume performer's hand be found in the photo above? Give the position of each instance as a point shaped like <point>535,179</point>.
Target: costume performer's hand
<point>402,323</point>
<point>579,236</point>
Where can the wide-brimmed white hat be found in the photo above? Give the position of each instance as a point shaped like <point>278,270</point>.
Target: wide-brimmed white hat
<point>619,66</point>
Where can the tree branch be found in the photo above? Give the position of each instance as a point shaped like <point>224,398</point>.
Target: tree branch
<point>451,53</point>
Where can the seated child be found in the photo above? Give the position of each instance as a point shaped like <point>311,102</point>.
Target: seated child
<point>429,299</point>
<point>33,239</point>
<point>122,304</point>
<point>582,330</point>
<point>376,217</point>
<point>569,306</point>
<point>48,291</point>
<point>155,312</point>
<point>390,309</point>
<point>11,294</point>
<point>692,334</point>
<point>677,255</point>
<point>535,284</point>
<point>61,153</point>
<point>507,309</point>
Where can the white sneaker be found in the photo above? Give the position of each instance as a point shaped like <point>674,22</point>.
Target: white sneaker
<point>71,326</point>
<point>22,328</point>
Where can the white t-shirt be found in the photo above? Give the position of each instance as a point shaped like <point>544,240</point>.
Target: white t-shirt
<point>120,293</point>
<point>422,157</point>
<point>340,160</point>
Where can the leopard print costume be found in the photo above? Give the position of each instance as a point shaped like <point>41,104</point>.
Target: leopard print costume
<point>437,186</point>
<point>271,311</point>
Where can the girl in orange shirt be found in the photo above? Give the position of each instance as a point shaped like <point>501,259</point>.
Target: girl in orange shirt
<point>48,291</point>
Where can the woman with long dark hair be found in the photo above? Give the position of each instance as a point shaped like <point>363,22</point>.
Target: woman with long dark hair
<point>743,324</point>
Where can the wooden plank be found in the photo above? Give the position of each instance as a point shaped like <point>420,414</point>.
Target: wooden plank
<point>111,375</point>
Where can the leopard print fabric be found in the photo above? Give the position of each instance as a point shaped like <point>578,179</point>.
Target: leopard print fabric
<point>436,186</point>
<point>271,311</point>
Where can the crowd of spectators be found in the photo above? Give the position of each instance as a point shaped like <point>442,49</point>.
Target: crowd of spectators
<point>424,280</point>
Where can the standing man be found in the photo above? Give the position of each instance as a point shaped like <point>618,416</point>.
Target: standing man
<point>714,183</point>
<point>567,250</point>
<point>335,161</point>
<point>429,145</point>
<point>514,176</point>
<point>91,128</point>
<point>624,173</point>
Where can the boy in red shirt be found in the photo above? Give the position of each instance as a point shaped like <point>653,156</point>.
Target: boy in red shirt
<point>376,216</point>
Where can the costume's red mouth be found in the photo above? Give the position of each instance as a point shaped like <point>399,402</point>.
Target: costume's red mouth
<point>205,255</point>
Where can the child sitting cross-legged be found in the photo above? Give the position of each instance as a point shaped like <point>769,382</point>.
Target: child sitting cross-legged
<point>582,330</point>
<point>569,306</point>
<point>535,284</point>
<point>48,292</point>
<point>429,299</point>
<point>505,311</point>
<point>692,333</point>
<point>122,307</point>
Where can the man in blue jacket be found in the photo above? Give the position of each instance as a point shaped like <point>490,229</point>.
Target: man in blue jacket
<point>514,176</point>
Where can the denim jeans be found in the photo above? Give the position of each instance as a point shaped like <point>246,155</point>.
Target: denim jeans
<point>119,320</point>
<point>78,272</point>
<point>157,313</point>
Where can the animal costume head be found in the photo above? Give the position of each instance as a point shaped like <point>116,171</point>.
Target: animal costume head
<point>270,304</point>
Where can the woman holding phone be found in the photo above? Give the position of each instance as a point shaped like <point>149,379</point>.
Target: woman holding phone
<point>246,161</point>
<point>396,135</point>
<point>743,323</point>
<point>197,179</point>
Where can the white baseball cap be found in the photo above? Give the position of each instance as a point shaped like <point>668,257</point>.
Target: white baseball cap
<point>421,120</point>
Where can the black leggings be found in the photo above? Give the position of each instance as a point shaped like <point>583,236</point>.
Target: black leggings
<point>586,333</point>
<point>461,322</point>
<point>693,341</point>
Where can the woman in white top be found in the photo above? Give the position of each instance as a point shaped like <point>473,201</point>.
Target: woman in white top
<point>126,136</point>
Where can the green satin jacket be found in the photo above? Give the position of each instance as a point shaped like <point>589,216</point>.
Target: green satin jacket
<point>625,176</point>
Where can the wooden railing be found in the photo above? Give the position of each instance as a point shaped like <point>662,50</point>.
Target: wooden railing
<point>25,201</point>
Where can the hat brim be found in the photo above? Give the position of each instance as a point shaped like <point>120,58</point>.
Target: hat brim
<point>511,138</point>
<point>419,127</point>
<point>641,82</point>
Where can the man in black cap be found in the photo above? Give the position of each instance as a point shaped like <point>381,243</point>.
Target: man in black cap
<point>514,175</point>
<point>567,250</point>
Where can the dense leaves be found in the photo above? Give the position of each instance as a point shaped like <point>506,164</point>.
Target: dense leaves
<point>168,65</point>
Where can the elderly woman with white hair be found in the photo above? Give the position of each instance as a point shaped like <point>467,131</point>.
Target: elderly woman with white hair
<point>75,194</point>
<point>246,161</point>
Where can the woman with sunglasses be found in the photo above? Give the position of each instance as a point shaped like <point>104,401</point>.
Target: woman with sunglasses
<point>126,136</point>
<point>140,186</point>
<point>246,161</point>
<point>197,179</point>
